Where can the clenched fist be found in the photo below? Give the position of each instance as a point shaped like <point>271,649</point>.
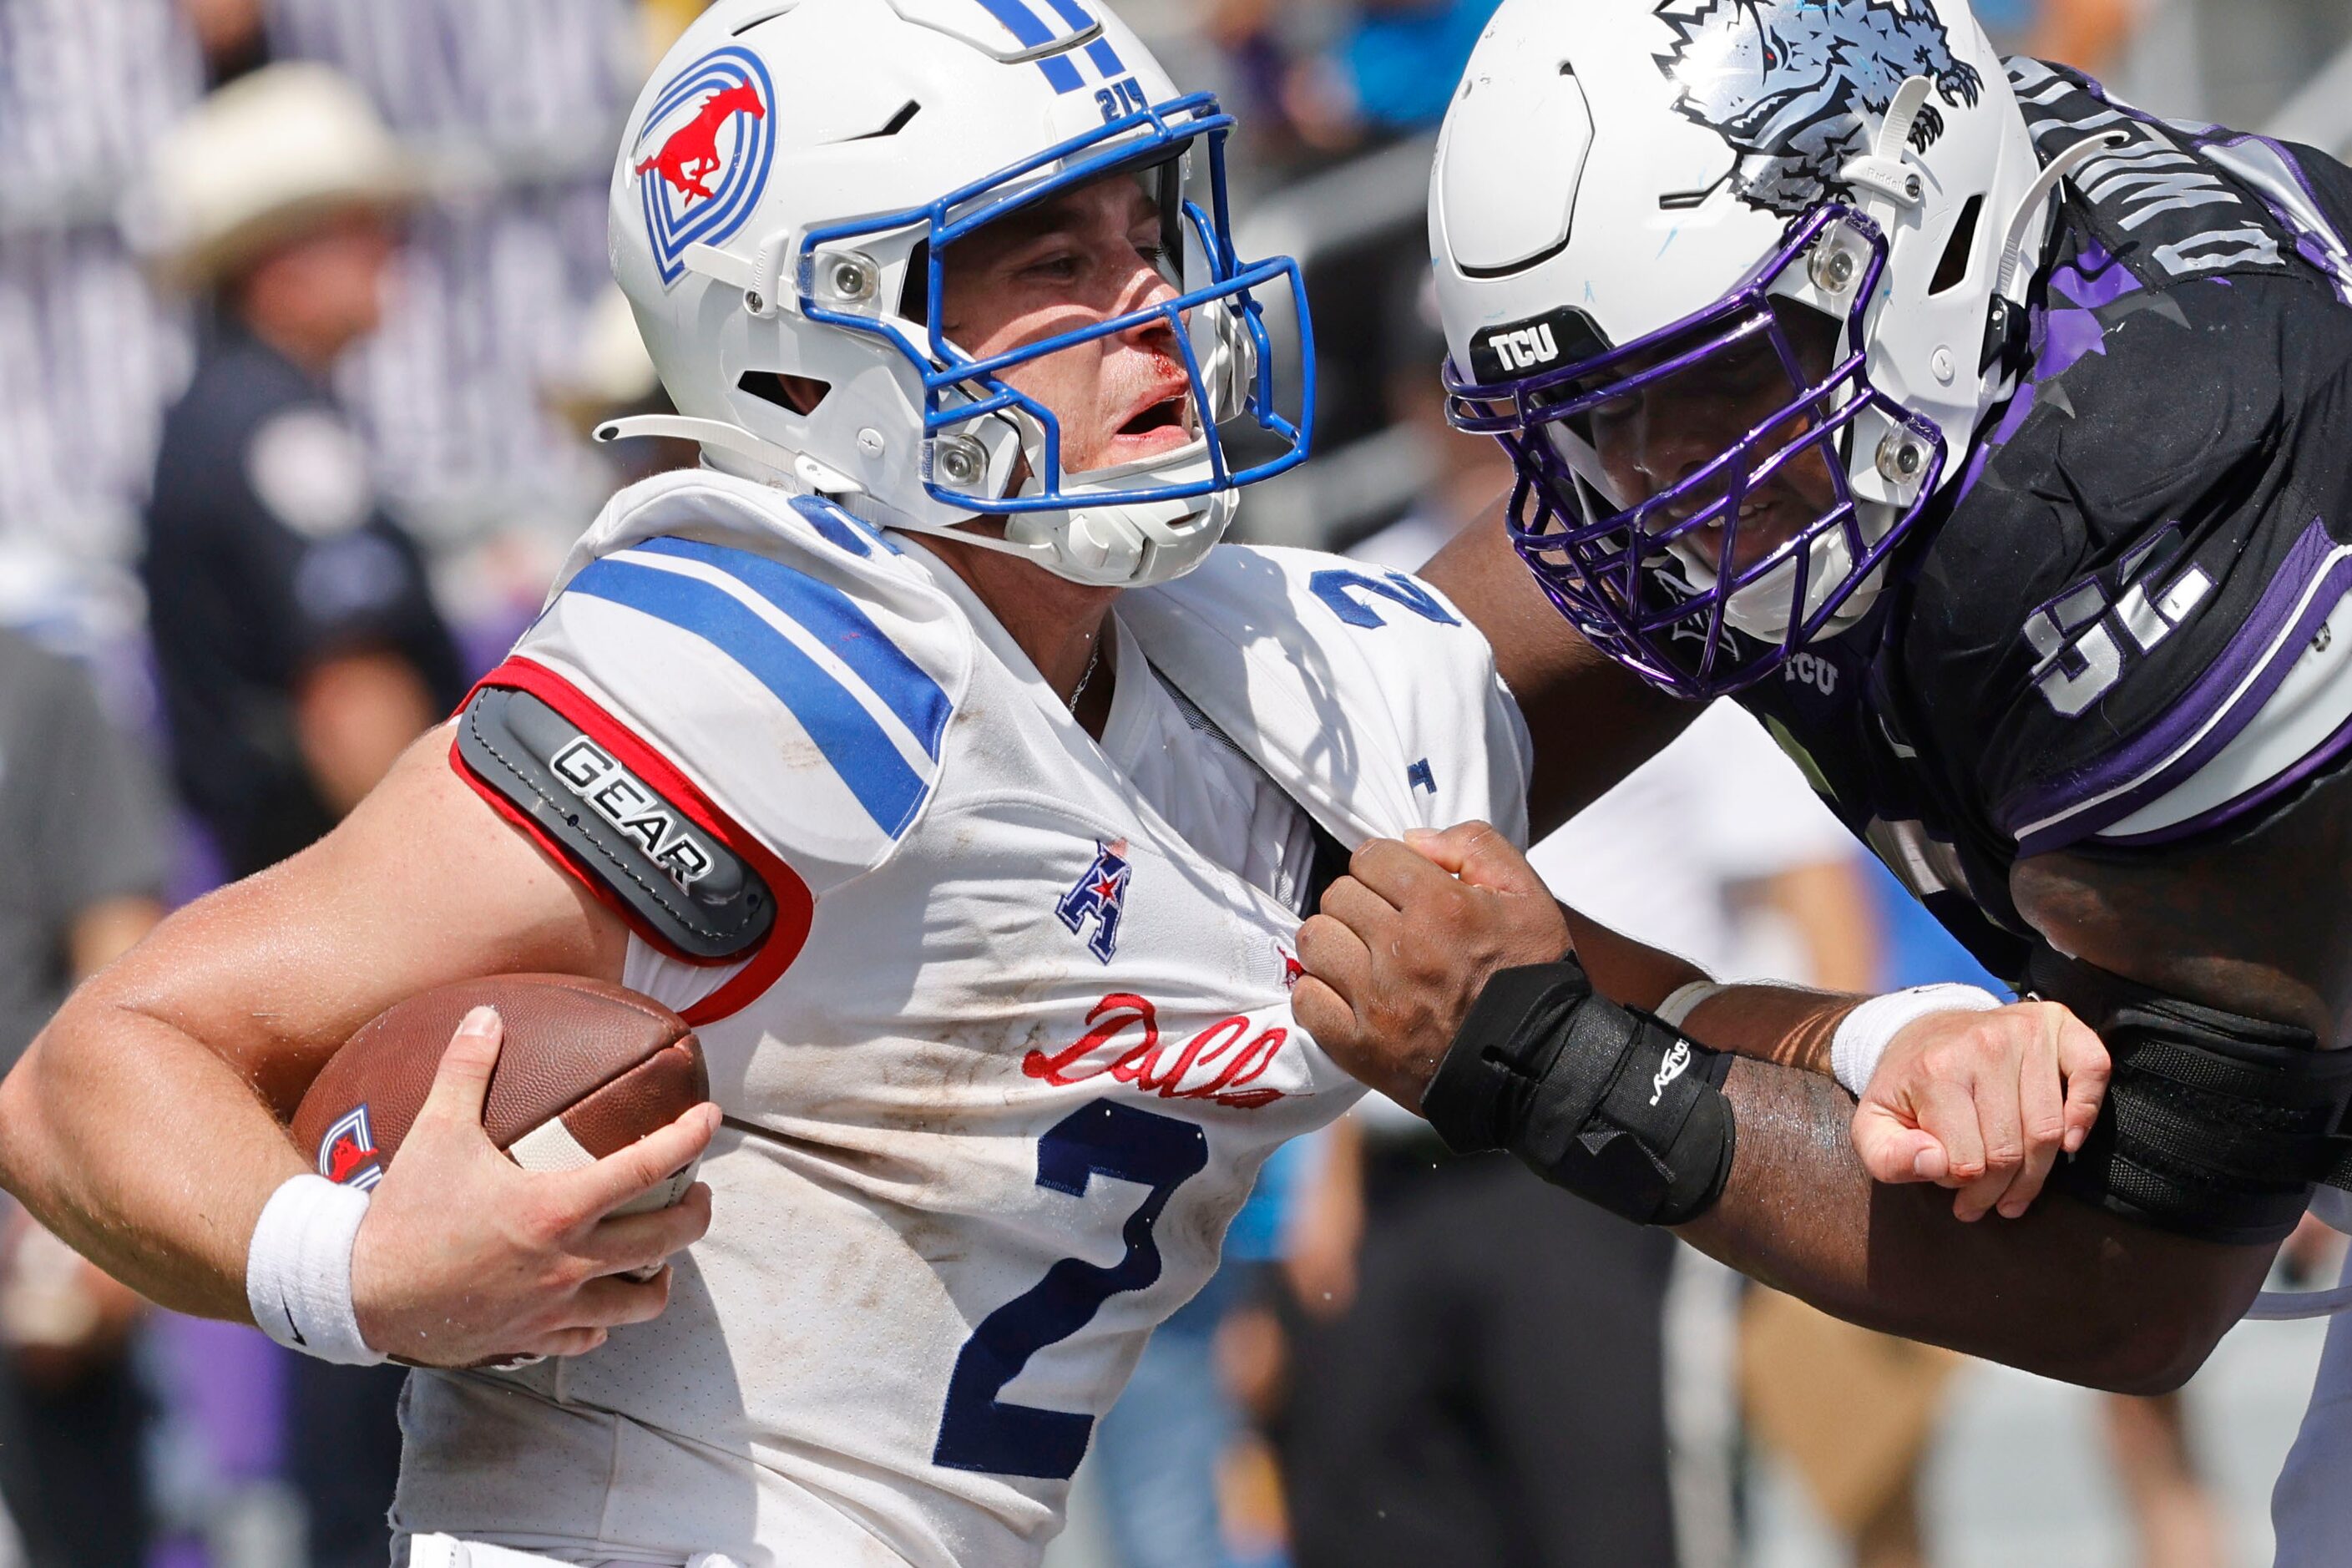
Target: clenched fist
<point>1407,939</point>
<point>1983,1102</point>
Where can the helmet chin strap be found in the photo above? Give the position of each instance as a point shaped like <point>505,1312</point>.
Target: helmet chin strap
<point>1102,547</point>
<point>1765,609</point>
<point>1132,545</point>
<point>814,476</point>
<point>2029,205</point>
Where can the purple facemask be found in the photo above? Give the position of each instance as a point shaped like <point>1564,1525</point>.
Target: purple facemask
<point>1613,570</point>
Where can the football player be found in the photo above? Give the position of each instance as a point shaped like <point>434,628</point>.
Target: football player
<point>979,892</point>
<point>1988,438</point>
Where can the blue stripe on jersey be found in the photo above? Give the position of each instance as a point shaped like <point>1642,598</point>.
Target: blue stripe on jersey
<point>1106,57</point>
<point>835,619</point>
<point>845,733</point>
<point>842,526</point>
<point>833,531</point>
<point>1029,32</point>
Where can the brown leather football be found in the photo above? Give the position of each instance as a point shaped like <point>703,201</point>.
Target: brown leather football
<point>587,1069</point>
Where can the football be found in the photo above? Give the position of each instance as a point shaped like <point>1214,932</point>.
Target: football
<point>587,1069</point>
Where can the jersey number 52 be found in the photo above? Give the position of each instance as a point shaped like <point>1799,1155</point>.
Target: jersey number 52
<point>980,1432</point>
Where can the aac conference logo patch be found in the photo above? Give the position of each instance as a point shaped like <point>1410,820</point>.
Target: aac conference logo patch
<point>702,158</point>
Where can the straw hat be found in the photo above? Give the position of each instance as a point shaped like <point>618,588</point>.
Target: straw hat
<point>265,157</point>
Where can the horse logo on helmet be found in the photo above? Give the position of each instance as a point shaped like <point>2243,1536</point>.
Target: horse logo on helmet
<point>1789,83</point>
<point>702,158</point>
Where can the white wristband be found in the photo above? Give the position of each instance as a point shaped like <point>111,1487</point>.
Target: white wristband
<point>298,1271</point>
<point>1685,1000</point>
<point>1863,1035</point>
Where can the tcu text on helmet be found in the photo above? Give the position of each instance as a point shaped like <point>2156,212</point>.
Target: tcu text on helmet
<point>1526,348</point>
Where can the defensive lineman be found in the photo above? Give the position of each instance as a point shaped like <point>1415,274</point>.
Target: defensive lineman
<point>1987,437</point>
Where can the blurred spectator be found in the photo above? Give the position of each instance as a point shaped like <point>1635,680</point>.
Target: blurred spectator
<point>229,32</point>
<point>2172,1507</point>
<point>82,830</point>
<point>515,107</point>
<point>298,647</point>
<point>87,355</point>
<point>1478,1378</point>
<point>1851,1412</point>
<point>73,1413</point>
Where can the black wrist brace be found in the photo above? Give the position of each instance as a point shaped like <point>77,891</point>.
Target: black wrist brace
<point>1609,1103</point>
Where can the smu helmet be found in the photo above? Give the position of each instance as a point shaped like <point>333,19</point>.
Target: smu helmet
<point>787,188</point>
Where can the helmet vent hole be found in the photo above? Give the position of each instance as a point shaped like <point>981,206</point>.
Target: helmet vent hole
<point>1684,201</point>
<point>898,121</point>
<point>1953,270</point>
<point>793,393</point>
<point>763,18</point>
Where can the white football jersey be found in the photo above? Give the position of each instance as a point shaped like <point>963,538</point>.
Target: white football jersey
<point>1020,1037</point>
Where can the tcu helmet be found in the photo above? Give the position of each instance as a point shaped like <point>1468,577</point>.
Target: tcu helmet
<point>1633,197</point>
<point>789,188</point>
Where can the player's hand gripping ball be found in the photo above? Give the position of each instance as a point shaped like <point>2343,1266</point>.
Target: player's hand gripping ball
<point>597,1093</point>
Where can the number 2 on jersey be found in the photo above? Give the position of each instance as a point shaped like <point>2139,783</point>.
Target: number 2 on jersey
<point>978,1431</point>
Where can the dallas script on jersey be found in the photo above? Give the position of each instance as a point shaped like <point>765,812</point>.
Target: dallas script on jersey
<point>1214,1065</point>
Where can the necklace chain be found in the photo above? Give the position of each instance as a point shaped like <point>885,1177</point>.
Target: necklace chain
<point>1092,659</point>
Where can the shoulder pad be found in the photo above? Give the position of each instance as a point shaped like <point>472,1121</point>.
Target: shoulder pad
<point>1363,691</point>
<point>621,832</point>
<point>779,653</point>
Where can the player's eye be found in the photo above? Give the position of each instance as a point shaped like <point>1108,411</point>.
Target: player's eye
<point>1054,267</point>
<point>1616,411</point>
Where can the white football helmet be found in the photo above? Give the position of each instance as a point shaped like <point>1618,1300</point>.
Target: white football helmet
<point>1627,191</point>
<point>786,187</point>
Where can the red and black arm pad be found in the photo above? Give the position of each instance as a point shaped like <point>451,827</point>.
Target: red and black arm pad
<point>635,831</point>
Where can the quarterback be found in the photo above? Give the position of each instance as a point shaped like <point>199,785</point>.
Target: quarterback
<point>1988,438</point>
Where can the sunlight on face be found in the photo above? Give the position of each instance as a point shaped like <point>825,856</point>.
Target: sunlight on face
<point>1073,261</point>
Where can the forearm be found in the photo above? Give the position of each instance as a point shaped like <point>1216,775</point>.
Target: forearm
<point>145,1125</point>
<point>2066,1291</point>
<point>145,1151</point>
<point>1791,1026</point>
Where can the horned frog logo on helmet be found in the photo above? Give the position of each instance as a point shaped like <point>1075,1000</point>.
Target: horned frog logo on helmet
<point>1788,83</point>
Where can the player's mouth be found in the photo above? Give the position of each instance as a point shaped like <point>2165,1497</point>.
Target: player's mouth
<point>1160,425</point>
<point>1766,523</point>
